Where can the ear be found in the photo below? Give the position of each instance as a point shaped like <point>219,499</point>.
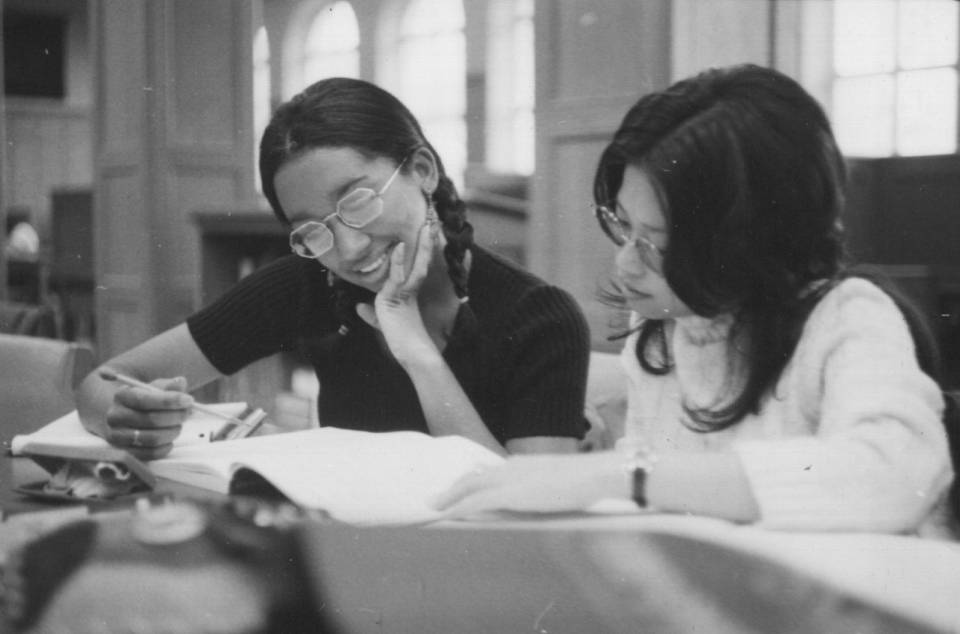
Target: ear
<point>424,164</point>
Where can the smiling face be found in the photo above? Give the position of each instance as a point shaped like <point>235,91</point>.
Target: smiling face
<point>309,186</point>
<point>645,290</point>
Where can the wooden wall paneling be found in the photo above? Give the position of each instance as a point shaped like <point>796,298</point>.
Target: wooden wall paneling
<point>174,133</point>
<point>4,177</point>
<point>802,44</point>
<point>47,142</point>
<point>120,31</point>
<point>368,21</point>
<point>720,33</point>
<point>475,31</point>
<point>192,186</point>
<point>211,150</point>
<point>861,214</point>
<point>24,154</point>
<point>202,112</point>
<point>920,198</point>
<point>121,257</point>
<point>49,147</point>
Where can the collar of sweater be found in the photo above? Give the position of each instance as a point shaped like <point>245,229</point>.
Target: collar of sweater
<point>707,366</point>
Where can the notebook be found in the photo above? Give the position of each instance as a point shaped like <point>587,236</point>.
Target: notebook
<point>362,478</point>
<point>356,477</point>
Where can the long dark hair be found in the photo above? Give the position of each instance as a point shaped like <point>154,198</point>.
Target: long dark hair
<point>750,180</point>
<point>751,183</point>
<point>343,112</point>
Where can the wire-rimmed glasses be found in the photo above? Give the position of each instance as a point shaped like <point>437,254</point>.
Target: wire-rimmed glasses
<point>356,209</point>
<point>621,233</point>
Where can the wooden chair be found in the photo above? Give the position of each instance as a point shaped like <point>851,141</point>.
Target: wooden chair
<point>37,378</point>
<point>37,320</point>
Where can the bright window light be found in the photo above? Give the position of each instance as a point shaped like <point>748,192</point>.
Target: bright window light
<point>261,95</point>
<point>928,33</point>
<point>927,112</point>
<point>895,76</point>
<point>332,46</point>
<point>862,117</point>
<point>864,36</point>
<point>510,87</point>
<point>433,70</point>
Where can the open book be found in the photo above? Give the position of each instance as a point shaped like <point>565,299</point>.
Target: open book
<point>68,431</point>
<point>356,477</point>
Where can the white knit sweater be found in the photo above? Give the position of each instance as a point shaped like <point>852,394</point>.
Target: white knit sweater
<point>851,438</point>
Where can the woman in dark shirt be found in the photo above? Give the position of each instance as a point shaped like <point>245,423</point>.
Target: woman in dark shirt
<point>408,324</point>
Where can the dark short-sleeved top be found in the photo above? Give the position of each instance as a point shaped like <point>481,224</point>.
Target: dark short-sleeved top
<point>519,348</point>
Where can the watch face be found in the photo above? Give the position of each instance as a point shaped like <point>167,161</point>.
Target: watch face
<point>640,485</point>
<point>640,460</point>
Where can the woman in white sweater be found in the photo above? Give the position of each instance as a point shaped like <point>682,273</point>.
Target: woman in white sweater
<point>765,384</point>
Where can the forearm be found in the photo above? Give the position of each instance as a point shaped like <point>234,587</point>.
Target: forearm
<point>93,398</point>
<point>170,354</point>
<point>881,476</point>
<point>712,484</point>
<point>95,395</point>
<point>446,407</point>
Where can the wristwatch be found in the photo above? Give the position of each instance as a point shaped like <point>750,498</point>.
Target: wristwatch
<point>639,464</point>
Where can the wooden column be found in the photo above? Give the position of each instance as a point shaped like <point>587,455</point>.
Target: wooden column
<point>173,133</point>
<point>593,59</point>
<point>3,173</point>
<point>721,33</point>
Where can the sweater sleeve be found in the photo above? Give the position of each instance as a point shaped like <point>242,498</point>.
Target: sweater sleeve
<point>547,347</point>
<point>259,316</point>
<point>878,459</point>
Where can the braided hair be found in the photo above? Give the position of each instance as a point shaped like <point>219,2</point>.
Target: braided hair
<point>344,112</point>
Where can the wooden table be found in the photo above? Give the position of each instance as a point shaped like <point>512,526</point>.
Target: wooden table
<point>630,574</point>
<point>577,574</point>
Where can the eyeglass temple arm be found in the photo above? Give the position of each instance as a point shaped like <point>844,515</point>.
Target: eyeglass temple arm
<point>392,177</point>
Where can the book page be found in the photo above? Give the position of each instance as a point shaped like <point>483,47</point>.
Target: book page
<point>68,431</point>
<point>357,477</point>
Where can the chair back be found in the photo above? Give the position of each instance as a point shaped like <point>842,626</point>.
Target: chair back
<point>37,378</point>
<point>36,320</point>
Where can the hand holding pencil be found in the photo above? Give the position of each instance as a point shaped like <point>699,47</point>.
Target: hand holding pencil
<point>145,418</point>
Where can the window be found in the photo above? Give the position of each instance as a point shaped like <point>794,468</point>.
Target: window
<point>895,76</point>
<point>332,44</point>
<point>510,87</point>
<point>432,76</point>
<point>261,94</point>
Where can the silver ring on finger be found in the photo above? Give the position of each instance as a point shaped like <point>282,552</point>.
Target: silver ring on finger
<point>135,441</point>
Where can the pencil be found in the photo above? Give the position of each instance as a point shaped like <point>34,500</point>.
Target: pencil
<point>109,375</point>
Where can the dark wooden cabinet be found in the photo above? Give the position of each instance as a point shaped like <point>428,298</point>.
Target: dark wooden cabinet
<point>903,214</point>
<point>234,243</point>
<point>71,271</point>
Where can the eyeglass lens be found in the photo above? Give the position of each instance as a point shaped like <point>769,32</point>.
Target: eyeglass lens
<point>615,227</point>
<point>311,240</point>
<point>650,254</point>
<point>356,210</point>
<point>360,207</point>
<point>618,229</point>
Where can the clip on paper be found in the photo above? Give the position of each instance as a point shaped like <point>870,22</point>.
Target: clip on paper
<point>248,422</point>
<point>87,473</point>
